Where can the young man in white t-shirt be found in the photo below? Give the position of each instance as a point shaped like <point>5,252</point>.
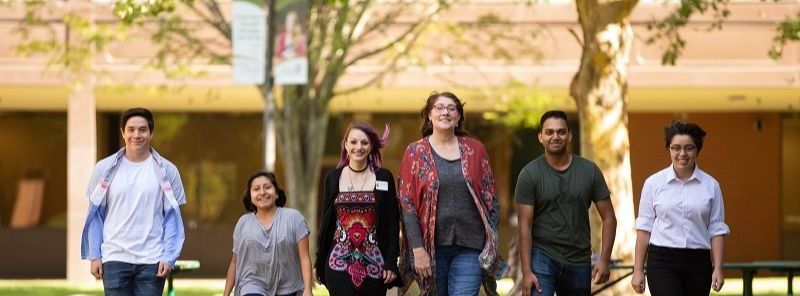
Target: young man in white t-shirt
<point>134,232</point>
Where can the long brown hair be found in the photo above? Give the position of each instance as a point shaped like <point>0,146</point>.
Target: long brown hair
<point>427,126</point>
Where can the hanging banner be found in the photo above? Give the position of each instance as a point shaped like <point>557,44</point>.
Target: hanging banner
<point>291,43</point>
<point>249,42</point>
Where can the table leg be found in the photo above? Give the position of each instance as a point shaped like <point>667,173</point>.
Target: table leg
<point>747,282</point>
<point>170,288</point>
<point>790,276</point>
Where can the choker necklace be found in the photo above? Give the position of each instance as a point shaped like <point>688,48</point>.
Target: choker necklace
<point>357,171</point>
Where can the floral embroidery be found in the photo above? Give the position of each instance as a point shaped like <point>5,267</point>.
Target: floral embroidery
<point>355,249</point>
<point>418,189</point>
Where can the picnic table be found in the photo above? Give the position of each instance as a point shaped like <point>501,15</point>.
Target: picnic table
<point>181,266</point>
<point>749,271</point>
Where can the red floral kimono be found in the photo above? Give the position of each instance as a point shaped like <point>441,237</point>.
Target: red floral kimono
<point>418,189</point>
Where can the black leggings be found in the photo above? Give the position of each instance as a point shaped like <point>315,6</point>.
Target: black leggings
<point>675,272</point>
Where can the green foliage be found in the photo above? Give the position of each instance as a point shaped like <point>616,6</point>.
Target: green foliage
<point>74,50</point>
<point>518,106</point>
<point>787,31</point>
<point>668,29</point>
<point>130,11</point>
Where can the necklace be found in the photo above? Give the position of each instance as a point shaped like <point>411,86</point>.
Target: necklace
<point>350,174</point>
<point>357,171</point>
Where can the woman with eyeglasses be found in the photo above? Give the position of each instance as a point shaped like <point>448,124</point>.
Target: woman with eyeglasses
<point>681,224</point>
<point>450,208</point>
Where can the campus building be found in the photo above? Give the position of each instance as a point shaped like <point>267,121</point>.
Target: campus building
<point>52,130</point>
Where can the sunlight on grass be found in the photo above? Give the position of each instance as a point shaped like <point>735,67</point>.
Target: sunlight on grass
<point>214,287</point>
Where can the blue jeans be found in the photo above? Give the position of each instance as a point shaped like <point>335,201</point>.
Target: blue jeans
<point>555,277</point>
<point>458,271</point>
<point>122,279</point>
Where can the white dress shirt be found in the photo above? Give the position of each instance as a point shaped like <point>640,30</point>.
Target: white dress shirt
<point>682,214</point>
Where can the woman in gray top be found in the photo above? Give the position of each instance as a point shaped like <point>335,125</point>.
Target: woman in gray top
<point>270,244</point>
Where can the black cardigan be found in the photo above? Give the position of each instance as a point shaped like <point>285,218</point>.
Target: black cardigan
<point>387,228</point>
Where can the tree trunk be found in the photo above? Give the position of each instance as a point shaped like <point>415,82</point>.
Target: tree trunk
<point>600,89</point>
<point>302,127</point>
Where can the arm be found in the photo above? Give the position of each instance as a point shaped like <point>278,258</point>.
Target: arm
<point>326,222</point>
<point>644,227</point>
<point>173,240</point>
<point>488,179</point>
<point>640,254</point>
<point>173,223</point>
<point>606,210</point>
<point>718,230</point>
<point>525,243</point>
<point>391,221</point>
<point>406,192</point>
<point>305,266</point>
<point>230,278</point>
<point>717,277</point>
<point>92,236</point>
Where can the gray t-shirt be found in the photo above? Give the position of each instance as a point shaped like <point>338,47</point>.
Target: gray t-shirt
<point>458,222</point>
<point>561,201</point>
<point>267,260</point>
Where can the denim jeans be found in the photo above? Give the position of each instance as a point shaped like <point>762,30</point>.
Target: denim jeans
<point>563,279</point>
<point>458,271</point>
<point>123,279</point>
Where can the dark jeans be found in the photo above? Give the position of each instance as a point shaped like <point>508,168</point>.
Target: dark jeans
<point>555,277</point>
<point>676,272</point>
<point>458,271</point>
<point>123,279</point>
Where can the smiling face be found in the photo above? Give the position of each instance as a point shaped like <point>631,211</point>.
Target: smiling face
<point>137,134</point>
<point>682,151</point>
<point>444,114</point>
<point>358,147</point>
<point>555,136</point>
<point>262,193</point>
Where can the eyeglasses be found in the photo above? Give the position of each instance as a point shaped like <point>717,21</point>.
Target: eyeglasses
<point>440,108</point>
<point>686,149</point>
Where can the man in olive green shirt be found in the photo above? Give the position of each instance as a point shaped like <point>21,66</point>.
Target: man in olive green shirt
<point>553,196</point>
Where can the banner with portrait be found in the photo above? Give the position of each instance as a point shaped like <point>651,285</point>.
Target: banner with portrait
<point>291,42</point>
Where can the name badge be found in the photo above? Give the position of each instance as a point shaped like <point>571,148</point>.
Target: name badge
<point>382,185</point>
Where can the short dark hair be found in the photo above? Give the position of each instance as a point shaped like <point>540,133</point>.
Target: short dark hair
<point>680,127</point>
<point>427,126</point>
<point>553,114</point>
<point>246,199</point>
<point>132,112</point>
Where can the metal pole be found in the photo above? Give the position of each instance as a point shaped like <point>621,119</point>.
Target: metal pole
<point>269,99</point>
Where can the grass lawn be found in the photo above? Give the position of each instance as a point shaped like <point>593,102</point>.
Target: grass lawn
<point>212,287</point>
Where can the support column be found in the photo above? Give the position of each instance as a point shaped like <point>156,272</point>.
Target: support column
<point>81,158</point>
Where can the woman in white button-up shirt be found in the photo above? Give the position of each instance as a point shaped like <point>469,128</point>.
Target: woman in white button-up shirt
<point>681,224</point>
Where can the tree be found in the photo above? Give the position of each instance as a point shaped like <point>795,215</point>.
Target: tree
<point>189,33</point>
<point>600,90</point>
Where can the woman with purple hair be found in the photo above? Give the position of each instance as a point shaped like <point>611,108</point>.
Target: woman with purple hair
<point>359,233</point>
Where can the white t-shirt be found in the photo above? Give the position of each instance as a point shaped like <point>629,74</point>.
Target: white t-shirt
<point>134,221</point>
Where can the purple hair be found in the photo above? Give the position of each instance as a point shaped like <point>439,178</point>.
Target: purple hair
<point>374,160</point>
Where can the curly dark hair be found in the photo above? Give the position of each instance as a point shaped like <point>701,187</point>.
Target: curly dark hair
<point>246,199</point>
